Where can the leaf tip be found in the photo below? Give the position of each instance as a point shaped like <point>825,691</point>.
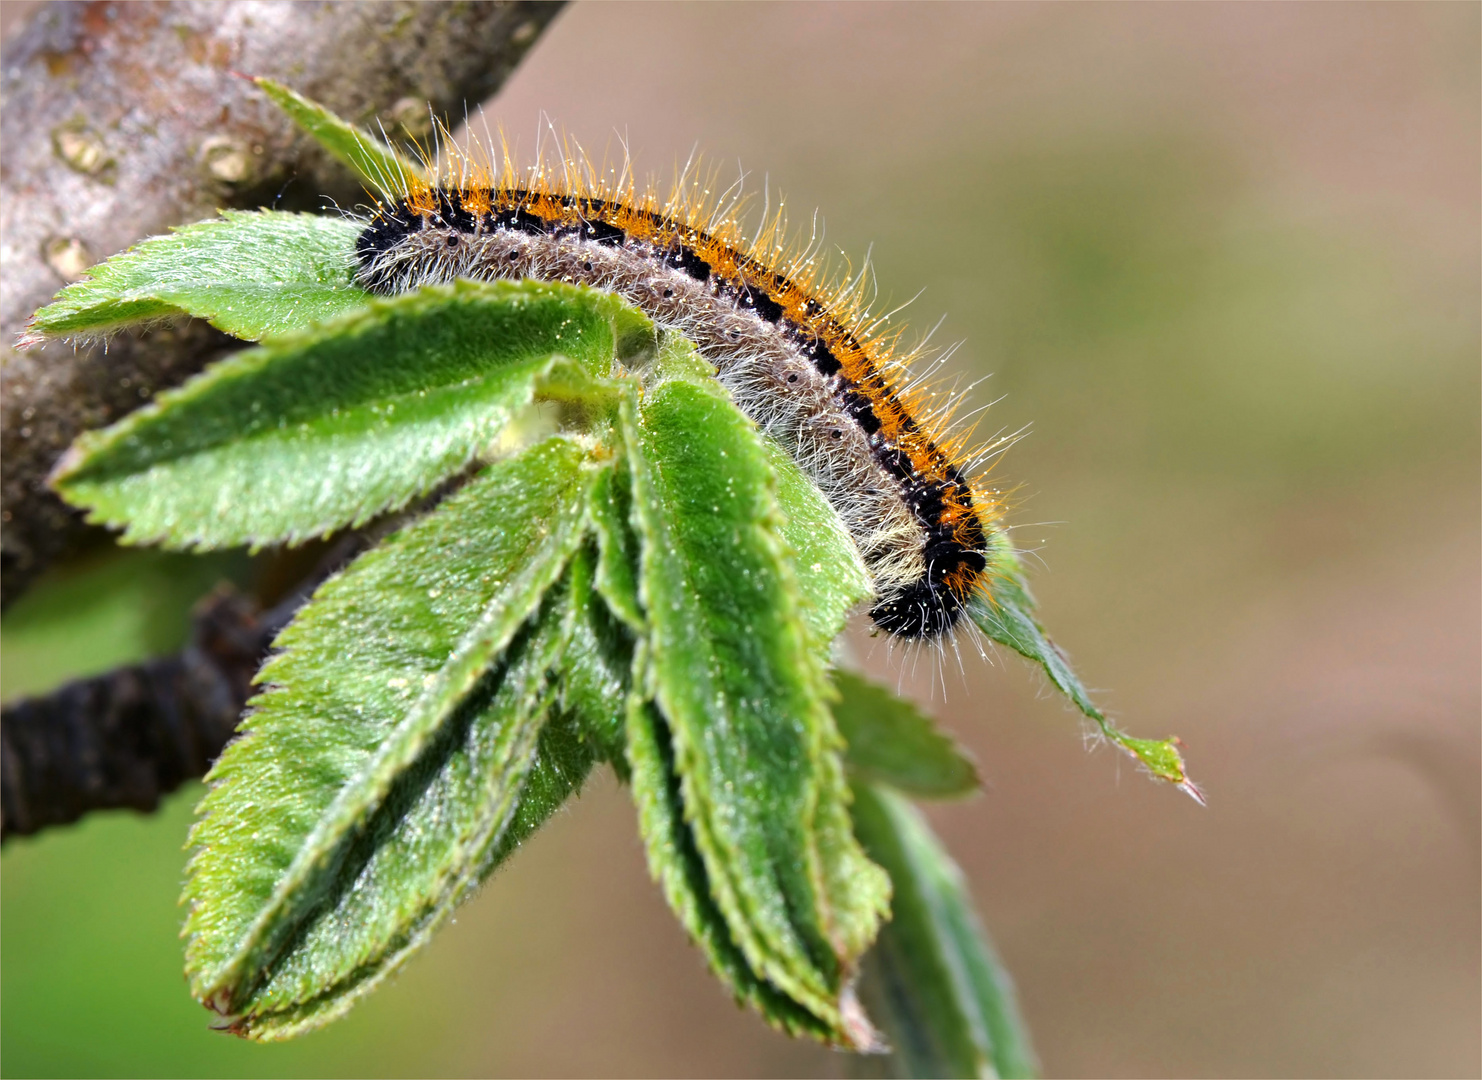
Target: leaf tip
<point>68,464</point>
<point>1186,784</point>
<point>219,1001</point>
<point>30,335</point>
<point>863,1036</point>
<point>1162,758</point>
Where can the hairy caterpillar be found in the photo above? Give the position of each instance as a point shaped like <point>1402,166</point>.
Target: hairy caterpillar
<point>802,358</point>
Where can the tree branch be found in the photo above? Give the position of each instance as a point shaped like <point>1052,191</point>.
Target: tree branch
<point>121,120</point>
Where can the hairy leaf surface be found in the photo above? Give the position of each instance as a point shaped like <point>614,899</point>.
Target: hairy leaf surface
<point>677,865</point>
<point>932,979</point>
<point>742,691</point>
<point>596,672</point>
<point>330,427</point>
<point>252,274</point>
<point>830,574</point>
<point>441,825</point>
<point>617,566</point>
<point>399,721</point>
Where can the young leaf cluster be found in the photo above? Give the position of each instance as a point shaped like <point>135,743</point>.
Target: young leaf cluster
<point>627,572</point>
<point>621,590</point>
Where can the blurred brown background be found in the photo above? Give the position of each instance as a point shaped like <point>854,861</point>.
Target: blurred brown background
<point>1225,260</point>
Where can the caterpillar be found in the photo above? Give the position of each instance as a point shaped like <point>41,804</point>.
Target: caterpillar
<point>802,358</point>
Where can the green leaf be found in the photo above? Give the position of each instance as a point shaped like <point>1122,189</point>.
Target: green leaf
<point>385,757</point>
<point>450,817</point>
<point>831,576</point>
<point>1006,615</point>
<point>596,675</point>
<point>376,163</point>
<point>932,979</point>
<point>330,427</point>
<point>680,870</point>
<point>617,566</point>
<point>892,742</point>
<point>252,274</point>
<point>587,724</point>
<point>742,691</point>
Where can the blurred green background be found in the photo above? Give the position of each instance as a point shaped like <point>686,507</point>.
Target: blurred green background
<point>1225,260</point>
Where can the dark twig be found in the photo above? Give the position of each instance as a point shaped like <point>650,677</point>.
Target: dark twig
<point>126,738</point>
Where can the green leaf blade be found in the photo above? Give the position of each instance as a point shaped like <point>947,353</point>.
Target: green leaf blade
<point>617,565</point>
<point>680,870</point>
<point>252,274</point>
<point>890,741</point>
<point>424,848</point>
<point>946,1002</point>
<point>831,575</point>
<point>369,674</point>
<point>372,160</point>
<point>326,429</point>
<point>596,675</point>
<point>741,687</point>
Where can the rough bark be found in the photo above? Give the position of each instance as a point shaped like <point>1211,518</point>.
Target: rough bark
<point>120,120</point>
